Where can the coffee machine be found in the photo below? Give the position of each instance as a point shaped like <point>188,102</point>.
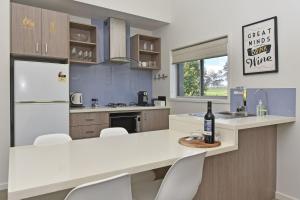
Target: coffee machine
<point>142,98</point>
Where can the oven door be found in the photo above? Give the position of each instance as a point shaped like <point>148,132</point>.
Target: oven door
<point>125,120</point>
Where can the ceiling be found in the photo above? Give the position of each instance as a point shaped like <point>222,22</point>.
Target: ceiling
<point>89,11</point>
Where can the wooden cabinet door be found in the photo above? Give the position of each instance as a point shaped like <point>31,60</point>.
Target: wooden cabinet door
<point>83,119</point>
<point>90,131</point>
<point>153,120</point>
<point>25,30</point>
<point>55,34</point>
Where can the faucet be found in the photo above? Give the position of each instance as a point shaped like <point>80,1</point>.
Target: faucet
<point>242,108</point>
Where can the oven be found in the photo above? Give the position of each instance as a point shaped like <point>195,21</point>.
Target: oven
<point>129,120</point>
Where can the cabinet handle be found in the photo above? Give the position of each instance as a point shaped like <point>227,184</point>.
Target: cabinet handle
<point>89,120</point>
<point>46,48</point>
<point>37,47</point>
<point>89,132</point>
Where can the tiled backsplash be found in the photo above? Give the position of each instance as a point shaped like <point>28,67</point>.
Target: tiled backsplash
<point>108,82</point>
<point>279,101</point>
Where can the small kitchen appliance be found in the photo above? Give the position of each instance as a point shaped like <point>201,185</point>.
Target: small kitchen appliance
<point>142,98</point>
<point>76,99</point>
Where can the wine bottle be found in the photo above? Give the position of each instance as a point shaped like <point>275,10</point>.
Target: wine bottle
<point>209,125</point>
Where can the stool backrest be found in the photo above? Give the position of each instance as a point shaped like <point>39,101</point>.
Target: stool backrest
<point>107,132</point>
<point>183,179</point>
<point>52,139</point>
<point>117,187</point>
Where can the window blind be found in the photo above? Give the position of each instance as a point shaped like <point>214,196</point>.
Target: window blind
<point>209,49</point>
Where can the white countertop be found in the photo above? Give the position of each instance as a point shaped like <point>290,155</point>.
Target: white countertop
<point>118,109</point>
<point>238,123</point>
<point>39,170</point>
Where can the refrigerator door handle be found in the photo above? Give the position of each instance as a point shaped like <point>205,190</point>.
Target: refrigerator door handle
<point>55,101</point>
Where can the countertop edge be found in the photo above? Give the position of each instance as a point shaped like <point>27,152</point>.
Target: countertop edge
<point>121,109</point>
<point>241,123</point>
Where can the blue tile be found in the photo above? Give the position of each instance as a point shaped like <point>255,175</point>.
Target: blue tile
<point>108,82</point>
<point>279,101</point>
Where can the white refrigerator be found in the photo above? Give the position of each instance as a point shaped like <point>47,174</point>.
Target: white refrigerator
<point>41,100</point>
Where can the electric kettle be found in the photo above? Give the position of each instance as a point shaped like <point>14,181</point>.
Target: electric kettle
<point>76,99</point>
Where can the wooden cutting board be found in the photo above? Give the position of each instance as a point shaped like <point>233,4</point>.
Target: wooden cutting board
<point>197,143</point>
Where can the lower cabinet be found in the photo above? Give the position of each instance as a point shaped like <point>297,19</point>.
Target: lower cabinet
<point>88,125</point>
<point>89,131</point>
<point>153,120</point>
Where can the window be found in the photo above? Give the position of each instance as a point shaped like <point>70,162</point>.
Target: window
<point>202,69</point>
<point>206,77</point>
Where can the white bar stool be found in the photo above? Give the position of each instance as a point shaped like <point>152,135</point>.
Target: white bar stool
<point>135,178</point>
<point>108,132</point>
<point>114,188</point>
<point>52,139</point>
<point>180,183</point>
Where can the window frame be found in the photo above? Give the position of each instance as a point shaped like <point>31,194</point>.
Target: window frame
<point>202,96</point>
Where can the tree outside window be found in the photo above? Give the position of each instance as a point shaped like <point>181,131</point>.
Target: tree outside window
<point>207,77</point>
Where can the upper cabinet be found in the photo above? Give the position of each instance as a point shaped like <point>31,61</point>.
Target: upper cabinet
<point>83,43</point>
<point>26,30</point>
<point>145,50</point>
<point>39,32</point>
<point>55,34</point>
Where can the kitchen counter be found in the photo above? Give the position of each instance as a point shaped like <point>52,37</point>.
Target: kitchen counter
<point>237,123</point>
<point>35,171</point>
<point>254,153</point>
<point>118,109</point>
<point>39,170</point>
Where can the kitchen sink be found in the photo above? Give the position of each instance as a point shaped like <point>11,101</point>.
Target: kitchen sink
<point>224,115</point>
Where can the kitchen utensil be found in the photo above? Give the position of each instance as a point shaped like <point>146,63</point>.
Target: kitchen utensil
<point>76,99</point>
<point>145,45</point>
<point>151,47</point>
<point>80,54</point>
<point>90,55</point>
<point>74,52</point>
<point>85,55</point>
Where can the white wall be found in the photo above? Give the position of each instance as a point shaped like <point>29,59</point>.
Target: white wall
<point>194,21</point>
<point>4,91</point>
<point>154,9</point>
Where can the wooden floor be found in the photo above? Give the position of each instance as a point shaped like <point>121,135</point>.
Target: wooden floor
<point>52,196</point>
<point>3,195</point>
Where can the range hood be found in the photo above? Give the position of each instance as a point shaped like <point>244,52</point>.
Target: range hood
<point>116,41</point>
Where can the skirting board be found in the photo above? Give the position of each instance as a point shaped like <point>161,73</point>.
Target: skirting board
<point>3,186</point>
<point>281,196</point>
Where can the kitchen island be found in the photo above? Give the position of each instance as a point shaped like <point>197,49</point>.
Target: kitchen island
<point>248,172</point>
<point>243,167</point>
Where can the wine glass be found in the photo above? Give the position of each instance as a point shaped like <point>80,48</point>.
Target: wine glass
<point>80,54</point>
<point>74,52</point>
<point>85,55</point>
<point>90,55</point>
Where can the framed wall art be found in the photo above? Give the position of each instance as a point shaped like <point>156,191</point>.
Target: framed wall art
<point>260,53</point>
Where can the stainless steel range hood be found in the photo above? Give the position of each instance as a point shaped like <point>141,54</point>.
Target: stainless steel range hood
<point>116,41</point>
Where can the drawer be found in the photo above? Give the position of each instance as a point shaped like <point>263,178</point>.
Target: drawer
<point>83,119</point>
<point>90,131</point>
